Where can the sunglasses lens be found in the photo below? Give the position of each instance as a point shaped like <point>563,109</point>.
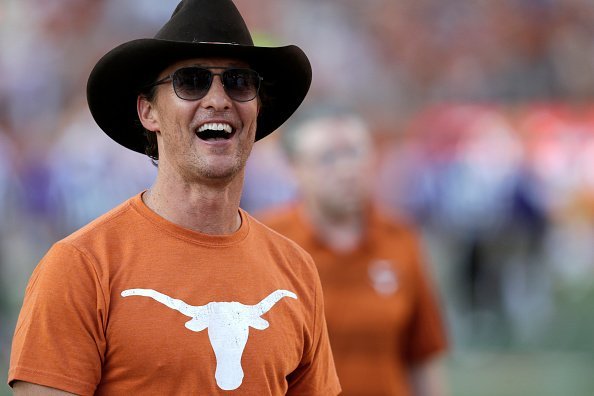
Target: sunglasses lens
<point>241,85</point>
<point>192,83</point>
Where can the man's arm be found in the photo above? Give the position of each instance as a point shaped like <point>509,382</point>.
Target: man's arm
<point>21,388</point>
<point>428,379</point>
<point>62,318</point>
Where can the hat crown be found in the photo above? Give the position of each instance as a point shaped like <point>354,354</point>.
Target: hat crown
<point>206,21</point>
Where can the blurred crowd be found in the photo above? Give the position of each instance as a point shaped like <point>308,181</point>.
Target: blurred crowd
<point>481,111</point>
<point>504,196</point>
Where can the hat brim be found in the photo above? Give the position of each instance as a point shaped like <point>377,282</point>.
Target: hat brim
<point>117,78</point>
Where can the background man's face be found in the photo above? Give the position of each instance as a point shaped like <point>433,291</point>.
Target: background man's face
<point>334,163</point>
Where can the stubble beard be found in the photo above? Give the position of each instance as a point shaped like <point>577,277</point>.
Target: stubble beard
<point>340,208</point>
<point>226,173</point>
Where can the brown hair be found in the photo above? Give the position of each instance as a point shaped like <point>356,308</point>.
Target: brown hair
<point>151,149</point>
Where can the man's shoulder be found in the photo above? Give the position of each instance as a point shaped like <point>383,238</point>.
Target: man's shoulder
<point>112,223</point>
<point>391,218</point>
<point>280,218</point>
<point>273,234</point>
<point>262,226</point>
<point>390,223</point>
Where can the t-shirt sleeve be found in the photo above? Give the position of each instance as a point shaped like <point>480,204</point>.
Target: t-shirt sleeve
<point>316,375</point>
<point>59,338</point>
<point>426,333</point>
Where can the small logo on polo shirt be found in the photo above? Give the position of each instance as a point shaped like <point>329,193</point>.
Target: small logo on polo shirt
<point>383,277</point>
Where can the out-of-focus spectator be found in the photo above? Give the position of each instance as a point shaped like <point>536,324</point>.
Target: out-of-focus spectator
<point>383,320</point>
<point>465,184</point>
<point>79,158</point>
<point>559,144</point>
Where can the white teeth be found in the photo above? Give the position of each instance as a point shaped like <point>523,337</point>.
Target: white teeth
<point>216,127</point>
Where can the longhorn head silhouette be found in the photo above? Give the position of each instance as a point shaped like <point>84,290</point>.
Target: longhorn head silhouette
<point>228,326</point>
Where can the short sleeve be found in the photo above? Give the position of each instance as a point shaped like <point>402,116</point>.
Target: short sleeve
<point>59,339</point>
<point>426,333</point>
<point>316,375</point>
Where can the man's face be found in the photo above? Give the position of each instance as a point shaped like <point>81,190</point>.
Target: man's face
<point>334,165</point>
<point>186,151</point>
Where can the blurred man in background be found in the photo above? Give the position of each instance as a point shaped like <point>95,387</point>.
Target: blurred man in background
<point>383,319</point>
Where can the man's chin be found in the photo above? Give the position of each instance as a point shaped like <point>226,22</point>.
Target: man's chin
<point>345,209</point>
<point>222,172</point>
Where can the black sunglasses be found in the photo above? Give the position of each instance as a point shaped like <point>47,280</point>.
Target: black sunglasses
<point>193,83</point>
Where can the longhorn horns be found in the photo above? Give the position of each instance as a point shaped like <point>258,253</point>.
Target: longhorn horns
<point>193,311</point>
<point>268,302</point>
<point>174,303</point>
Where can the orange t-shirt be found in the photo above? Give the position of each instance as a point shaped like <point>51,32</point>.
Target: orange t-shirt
<point>133,304</point>
<point>381,312</point>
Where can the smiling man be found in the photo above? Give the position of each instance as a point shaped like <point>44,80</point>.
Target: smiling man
<point>178,290</point>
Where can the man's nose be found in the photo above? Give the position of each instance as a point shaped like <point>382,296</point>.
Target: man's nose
<point>216,97</point>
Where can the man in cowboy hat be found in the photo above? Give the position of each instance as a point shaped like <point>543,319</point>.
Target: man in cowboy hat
<point>177,290</point>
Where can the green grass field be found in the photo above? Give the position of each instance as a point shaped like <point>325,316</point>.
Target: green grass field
<point>521,374</point>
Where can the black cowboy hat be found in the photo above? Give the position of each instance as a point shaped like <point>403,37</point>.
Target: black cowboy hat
<point>197,28</point>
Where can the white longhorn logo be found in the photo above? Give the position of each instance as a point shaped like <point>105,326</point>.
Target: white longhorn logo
<point>228,326</point>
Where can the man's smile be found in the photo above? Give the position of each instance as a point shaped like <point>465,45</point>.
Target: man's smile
<point>215,131</point>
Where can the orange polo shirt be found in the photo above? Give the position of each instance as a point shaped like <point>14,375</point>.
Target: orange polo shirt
<point>381,310</point>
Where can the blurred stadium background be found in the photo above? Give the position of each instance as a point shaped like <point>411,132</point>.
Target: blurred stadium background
<point>484,115</point>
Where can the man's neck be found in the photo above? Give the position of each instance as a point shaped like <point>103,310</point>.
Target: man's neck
<point>211,209</point>
<point>342,233</point>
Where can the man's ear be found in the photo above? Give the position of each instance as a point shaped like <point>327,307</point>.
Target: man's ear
<point>147,114</point>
